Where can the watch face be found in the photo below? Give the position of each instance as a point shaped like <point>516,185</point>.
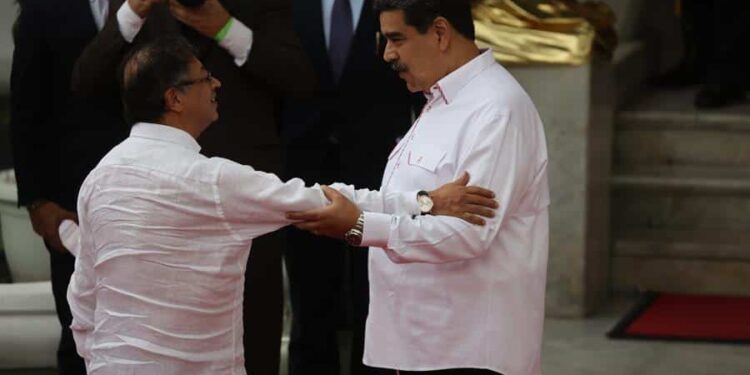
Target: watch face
<point>425,203</point>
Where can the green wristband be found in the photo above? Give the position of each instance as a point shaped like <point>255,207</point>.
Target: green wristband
<point>224,30</point>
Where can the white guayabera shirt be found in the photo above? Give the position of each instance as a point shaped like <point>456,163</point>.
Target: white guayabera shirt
<point>445,293</point>
<point>165,235</point>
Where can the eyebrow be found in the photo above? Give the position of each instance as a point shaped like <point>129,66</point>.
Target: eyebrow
<point>393,34</point>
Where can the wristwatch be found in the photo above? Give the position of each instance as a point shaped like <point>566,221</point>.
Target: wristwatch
<point>424,202</point>
<point>354,236</point>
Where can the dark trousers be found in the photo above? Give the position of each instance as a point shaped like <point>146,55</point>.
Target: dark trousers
<point>61,267</point>
<point>263,306</point>
<point>327,279</point>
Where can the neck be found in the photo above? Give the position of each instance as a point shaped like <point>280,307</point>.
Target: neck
<point>175,121</point>
<point>465,52</point>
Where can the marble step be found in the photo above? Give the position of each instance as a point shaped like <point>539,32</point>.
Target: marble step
<point>694,197</point>
<point>705,262</point>
<point>697,245</point>
<point>664,128</point>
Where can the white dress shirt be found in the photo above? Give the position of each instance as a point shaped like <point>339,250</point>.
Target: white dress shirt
<point>100,10</point>
<point>327,6</point>
<point>445,293</point>
<point>238,41</point>
<point>165,235</point>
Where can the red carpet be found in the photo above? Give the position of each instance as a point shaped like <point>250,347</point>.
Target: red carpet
<point>664,316</point>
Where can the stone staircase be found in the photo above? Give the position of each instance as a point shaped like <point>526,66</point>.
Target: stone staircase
<point>681,197</point>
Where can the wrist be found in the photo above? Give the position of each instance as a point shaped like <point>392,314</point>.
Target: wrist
<point>354,235</point>
<point>222,33</point>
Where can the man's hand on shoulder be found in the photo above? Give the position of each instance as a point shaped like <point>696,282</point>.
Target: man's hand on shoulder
<point>46,218</point>
<point>207,19</point>
<point>142,7</point>
<point>469,203</point>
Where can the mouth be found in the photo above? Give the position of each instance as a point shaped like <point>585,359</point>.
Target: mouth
<point>213,98</point>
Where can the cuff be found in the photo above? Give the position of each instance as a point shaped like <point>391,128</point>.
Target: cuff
<point>238,41</point>
<point>130,22</point>
<point>377,230</point>
<point>410,202</point>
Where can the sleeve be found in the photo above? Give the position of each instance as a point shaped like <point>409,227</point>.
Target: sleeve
<point>95,71</point>
<point>255,203</point>
<point>396,203</point>
<point>277,57</point>
<point>238,41</point>
<point>33,141</point>
<point>499,160</point>
<point>129,22</point>
<point>81,292</point>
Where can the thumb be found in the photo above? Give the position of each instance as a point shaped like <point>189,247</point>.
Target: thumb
<point>463,180</point>
<point>332,194</point>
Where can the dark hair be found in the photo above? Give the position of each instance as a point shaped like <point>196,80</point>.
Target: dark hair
<point>148,72</point>
<point>421,13</point>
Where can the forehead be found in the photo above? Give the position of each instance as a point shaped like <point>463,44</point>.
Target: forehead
<point>392,21</point>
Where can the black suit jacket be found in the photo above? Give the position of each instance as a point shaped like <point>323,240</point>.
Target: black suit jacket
<point>57,138</point>
<point>247,129</point>
<point>366,111</point>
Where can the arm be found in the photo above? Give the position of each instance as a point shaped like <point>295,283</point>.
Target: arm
<point>95,71</point>
<point>452,199</point>
<point>81,294</point>
<point>31,138</point>
<point>262,42</point>
<point>503,159</point>
<point>254,203</point>
<point>34,141</point>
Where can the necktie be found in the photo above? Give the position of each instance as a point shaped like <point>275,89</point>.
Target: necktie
<point>342,32</point>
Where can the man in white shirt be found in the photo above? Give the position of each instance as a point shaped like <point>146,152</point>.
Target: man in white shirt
<point>165,232</point>
<point>447,297</point>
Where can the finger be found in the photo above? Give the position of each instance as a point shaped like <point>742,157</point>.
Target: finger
<point>473,219</point>
<point>481,201</point>
<point>463,180</point>
<point>481,211</point>
<point>310,215</point>
<point>476,190</point>
<point>55,243</point>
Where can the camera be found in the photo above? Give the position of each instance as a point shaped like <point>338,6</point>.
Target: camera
<point>192,3</point>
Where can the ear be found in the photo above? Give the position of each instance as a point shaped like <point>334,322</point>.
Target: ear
<point>443,31</point>
<point>173,100</point>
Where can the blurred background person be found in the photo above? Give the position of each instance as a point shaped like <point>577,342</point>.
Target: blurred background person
<point>251,47</point>
<point>56,140</point>
<point>344,133</point>
<point>714,33</point>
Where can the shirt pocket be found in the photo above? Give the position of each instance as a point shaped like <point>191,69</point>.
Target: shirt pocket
<point>425,156</point>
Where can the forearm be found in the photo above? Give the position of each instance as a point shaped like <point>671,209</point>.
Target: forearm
<point>426,239</point>
<point>399,203</point>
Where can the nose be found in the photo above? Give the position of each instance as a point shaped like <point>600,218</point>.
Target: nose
<point>389,55</point>
<point>215,82</point>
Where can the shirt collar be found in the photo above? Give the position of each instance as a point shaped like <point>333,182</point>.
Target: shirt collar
<point>165,134</point>
<point>449,86</point>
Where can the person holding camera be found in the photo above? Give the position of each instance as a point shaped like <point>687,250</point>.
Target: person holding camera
<point>251,47</point>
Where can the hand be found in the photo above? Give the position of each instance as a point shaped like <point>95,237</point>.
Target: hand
<point>207,19</point>
<point>142,7</point>
<point>46,219</point>
<point>333,220</point>
<point>464,202</point>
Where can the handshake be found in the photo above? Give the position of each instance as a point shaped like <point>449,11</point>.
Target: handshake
<point>207,17</point>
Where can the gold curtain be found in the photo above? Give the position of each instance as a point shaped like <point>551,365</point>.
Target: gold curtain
<point>544,31</point>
